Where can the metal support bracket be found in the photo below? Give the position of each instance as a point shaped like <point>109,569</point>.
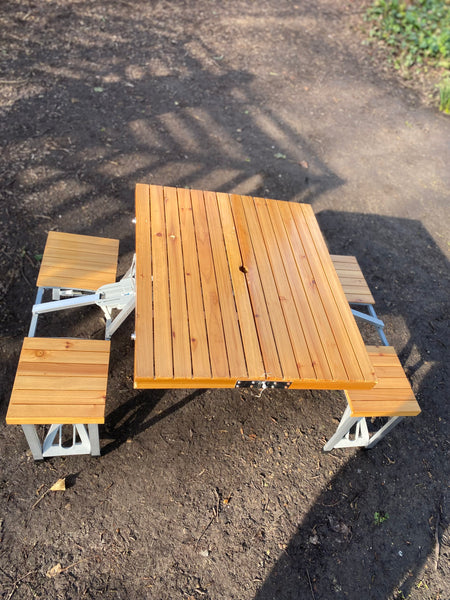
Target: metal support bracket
<point>361,437</point>
<point>119,296</point>
<point>263,385</point>
<point>373,319</point>
<point>84,441</point>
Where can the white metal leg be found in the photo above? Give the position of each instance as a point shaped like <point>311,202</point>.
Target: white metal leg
<point>362,437</point>
<point>344,427</point>
<point>34,318</point>
<point>52,445</point>
<point>373,319</point>
<point>119,296</point>
<point>45,307</point>
<point>33,441</point>
<point>383,431</point>
<point>113,325</point>
<point>94,439</point>
<point>85,440</point>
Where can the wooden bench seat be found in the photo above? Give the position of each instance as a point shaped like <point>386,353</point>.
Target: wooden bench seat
<point>352,280</point>
<point>60,382</point>
<point>357,291</point>
<point>391,397</point>
<point>78,262</point>
<point>73,265</point>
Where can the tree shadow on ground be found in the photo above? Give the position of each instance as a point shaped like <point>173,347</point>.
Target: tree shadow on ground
<point>404,476</point>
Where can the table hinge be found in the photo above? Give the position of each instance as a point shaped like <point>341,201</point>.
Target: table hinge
<point>263,385</point>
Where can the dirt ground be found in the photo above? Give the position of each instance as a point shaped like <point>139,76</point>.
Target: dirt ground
<point>223,494</point>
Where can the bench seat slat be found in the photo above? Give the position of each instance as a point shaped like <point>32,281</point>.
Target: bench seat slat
<point>63,392</point>
<point>349,272</point>
<point>73,261</point>
<point>391,396</point>
<point>43,414</point>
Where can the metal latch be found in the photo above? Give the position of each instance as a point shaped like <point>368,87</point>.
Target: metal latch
<point>263,385</point>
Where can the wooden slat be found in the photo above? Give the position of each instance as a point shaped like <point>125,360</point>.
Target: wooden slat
<point>279,328</point>
<point>78,261</point>
<point>392,394</point>
<point>67,272</point>
<point>161,301</point>
<point>178,308</point>
<point>62,369</point>
<point>402,408</point>
<point>72,283</point>
<point>248,293</point>
<point>250,340</point>
<point>343,258</point>
<point>227,300</point>
<point>266,333</point>
<point>389,371</point>
<point>81,243</point>
<point>144,357</point>
<point>213,317</point>
<point>69,261</point>
<point>53,386</point>
<point>44,414</point>
<point>62,239</point>
<point>352,280</point>
<point>321,343</point>
<point>300,313</point>
<point>49,382</point>
<point>72,344</point>
<point>333,280</point>
<point>197,326</point>
<point>58,397</point>
<point>60,356</point>
<point>355,281</point>
<point>345,330</point>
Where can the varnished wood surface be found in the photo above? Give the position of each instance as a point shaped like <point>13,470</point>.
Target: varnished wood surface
<point>60,381</point>
<point>352,280</point>
<point>81,262</point>
<point>392,394</point>
<point>234,288</point>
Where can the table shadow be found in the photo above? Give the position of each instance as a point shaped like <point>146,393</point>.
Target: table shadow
<point>405,475</point>
<point>135,416</point>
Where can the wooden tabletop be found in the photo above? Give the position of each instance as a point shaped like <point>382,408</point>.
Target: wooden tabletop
<point>233,288</point>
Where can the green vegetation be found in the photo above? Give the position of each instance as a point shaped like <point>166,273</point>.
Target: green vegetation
<point>418,35</point>
<point>444,92</point>
<point>380,517</point>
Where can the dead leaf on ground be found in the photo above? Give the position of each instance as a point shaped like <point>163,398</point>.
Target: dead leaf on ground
<point>59,486</point>
<point>56,570</point>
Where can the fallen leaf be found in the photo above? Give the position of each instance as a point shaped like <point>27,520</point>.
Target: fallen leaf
<point>59,486</point>
<point>56,570</point>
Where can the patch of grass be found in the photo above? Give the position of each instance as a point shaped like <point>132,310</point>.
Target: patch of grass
<point>417,32</point>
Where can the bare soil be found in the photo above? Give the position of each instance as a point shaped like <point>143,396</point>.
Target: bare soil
<point>224,494</point>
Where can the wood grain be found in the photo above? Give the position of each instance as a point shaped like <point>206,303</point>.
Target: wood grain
<point>75,261</point>
<point>60,381</point>
<point>242,288</point>
<point>391,396</point>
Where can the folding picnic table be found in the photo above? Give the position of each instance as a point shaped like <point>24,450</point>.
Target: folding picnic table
<point>237,291</point>
<point>228,291</point>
